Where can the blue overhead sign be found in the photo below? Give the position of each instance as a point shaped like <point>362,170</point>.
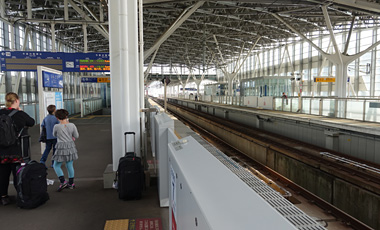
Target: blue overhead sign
<point>28,61</point>
<point>52,80</point>
<point>89,79</point>
<point>65,62</point>
<point>87,62</point>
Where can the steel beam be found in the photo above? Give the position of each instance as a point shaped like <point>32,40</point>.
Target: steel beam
<point>183,17</point>
<point>2,8</point>
<point>94,15</point>
<point>53,37</point>
<point>29,8</point>
<point>66,10</point>
<point>358,55</point>
<point>220,54</point>
<point>101,12</point>
<point>240,55</point>
<point>87,18</point>
<point>301,35</point>
<point>332,36</point>
<point>48,21</point>
<point>150,64</point>
<point>249,52</point>
<point>361,4</point>
<point>85,40</point>
<point>349,36</point>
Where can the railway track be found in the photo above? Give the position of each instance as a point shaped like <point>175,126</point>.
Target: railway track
<point>277,142</point>
<point>364,171</point>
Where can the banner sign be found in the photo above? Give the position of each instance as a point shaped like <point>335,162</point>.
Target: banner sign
<point>324,79</point>
<point>66,62</point>
<point>52,80</point>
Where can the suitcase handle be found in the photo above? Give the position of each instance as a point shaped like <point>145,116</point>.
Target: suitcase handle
<point>134,142</point>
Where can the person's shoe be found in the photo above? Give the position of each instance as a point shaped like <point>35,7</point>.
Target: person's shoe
<point>5,200</point>
<point>62,186</point>
<point>71,186</point>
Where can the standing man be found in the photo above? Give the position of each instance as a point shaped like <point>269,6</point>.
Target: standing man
<point>49,121</point>
<point>284,96</point>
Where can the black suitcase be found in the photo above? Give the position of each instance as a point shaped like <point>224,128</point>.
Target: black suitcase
<point>130,174</point>
<point>31,185</point>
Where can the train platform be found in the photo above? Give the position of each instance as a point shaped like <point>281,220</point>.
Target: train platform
<point>372,128</point>
<point>89,206</point>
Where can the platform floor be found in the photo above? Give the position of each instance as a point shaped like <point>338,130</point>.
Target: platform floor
<point>89,206</point>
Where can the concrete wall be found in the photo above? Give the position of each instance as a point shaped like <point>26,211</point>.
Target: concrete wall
<point>308,177</point>
<point>358,202</point>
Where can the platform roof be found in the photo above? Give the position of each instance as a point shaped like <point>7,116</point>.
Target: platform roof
<point>216,27</point>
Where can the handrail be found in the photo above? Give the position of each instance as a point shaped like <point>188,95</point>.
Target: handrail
<point>355,108</point>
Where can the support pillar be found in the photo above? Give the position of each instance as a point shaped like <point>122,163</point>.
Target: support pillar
<point>230,78</point>
<point>53,48</point>
<point>85,40</point>
<point>2,8</point>
<point>198,83</point>
<point>124,83</point>
<point>332,140</point>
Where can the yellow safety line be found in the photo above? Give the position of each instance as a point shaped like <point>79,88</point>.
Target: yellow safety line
<point>179,136</point>
<point>75,116</point>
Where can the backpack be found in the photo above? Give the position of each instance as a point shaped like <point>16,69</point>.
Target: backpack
<point>8,135</point>
<point>31,185</point>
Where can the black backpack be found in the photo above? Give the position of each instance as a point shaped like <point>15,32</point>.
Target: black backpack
<point>31,185</point>
<point>8,134</point>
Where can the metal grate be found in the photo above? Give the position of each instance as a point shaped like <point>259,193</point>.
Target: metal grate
<point>293,214</point>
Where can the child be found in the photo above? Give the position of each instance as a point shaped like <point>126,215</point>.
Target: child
<point>66,151</point>
<point>49,122</point>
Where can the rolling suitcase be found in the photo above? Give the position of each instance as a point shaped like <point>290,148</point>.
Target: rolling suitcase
<point>130,174</point>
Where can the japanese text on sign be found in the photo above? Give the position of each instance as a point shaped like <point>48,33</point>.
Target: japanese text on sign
<point>324,79</point>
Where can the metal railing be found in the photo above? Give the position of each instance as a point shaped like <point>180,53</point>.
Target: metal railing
<point>91,105</point>
<point>363,109</point>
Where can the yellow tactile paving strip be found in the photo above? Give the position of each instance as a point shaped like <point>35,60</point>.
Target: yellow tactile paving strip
<point>117,224</point>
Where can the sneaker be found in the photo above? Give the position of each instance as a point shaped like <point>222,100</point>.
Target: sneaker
<point>5,200</point>
<point>71,186</point>
<point>62,186</point>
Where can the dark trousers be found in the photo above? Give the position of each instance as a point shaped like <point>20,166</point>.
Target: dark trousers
<point>50,143</point>
<point>5,173</point>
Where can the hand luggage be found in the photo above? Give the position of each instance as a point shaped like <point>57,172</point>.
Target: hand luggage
<point>130,174</point>
<point>31,185</point>
<point>25,147</point>
<point>8,134</point>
